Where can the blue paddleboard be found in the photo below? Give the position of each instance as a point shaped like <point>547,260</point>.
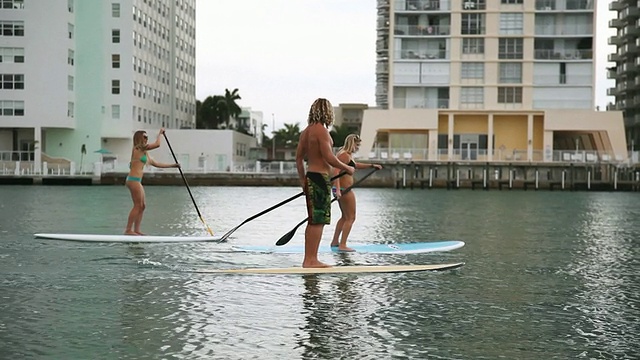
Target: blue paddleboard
<point>404,248</point>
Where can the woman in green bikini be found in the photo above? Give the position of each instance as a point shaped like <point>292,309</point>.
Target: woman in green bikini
<point>139,158</point>
<point>348,200</point>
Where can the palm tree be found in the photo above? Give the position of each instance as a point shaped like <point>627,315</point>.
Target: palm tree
<point>339,134</point>
<point>233,110</point>
<point>288,136</point>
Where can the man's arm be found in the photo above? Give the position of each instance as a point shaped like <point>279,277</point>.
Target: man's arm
<point>324,142</point>
<point>301,151</point>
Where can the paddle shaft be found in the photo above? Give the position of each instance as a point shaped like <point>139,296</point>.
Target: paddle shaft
<point>186,184</point>
<point>288,236</point>
<point>225,236</point>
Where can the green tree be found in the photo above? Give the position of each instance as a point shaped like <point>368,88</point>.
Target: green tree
<point>233,110</point>
<point>216,111</point>
<point>288,136</point>
<point>339,134</point>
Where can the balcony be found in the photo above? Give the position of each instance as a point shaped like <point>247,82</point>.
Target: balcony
<point>422,30</point>
<point>630,12</point>
<point>616,5</point>
<point>612,91</point>
<point>615,40</point>
<point>422,5</point>
<point>545,5</point>
<point>613,57</point>
<point>426,54</point>
<point>612,74</point>
<point>564,30</point>
<point>562,54</point>
<point>616,23</point>
<point>474,5</point>
<point>579,5</point>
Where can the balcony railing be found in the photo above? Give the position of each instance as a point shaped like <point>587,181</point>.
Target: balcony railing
<point>565,30</point>
<point>428,103</point>
<point>566,54</point>
<point>422,54</point>
<point>552,5</point>
<point>482,155</point>
<point>422,30</point>
<point>423,5</point>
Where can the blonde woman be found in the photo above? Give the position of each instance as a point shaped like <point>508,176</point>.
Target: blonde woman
<point>139,158</point>
<point>347,201</point>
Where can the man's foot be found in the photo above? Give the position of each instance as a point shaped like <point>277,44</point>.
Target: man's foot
<point>129,232</point>
<point>334,245</point>
<point>139,233</point>
<point>315,264</point>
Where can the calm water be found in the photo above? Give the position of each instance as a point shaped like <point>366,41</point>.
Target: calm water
<point>548,275</point>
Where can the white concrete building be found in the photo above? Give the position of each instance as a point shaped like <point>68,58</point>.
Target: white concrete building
<point>250,120</point>
<point>83,75</point>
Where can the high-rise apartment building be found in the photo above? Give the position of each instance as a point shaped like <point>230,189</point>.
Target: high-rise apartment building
<point>489,80</point>
<point>485,54</point>
<point>80,74</point>
<point>627,65</point>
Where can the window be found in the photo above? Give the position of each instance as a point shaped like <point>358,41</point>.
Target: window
<point>12,82</point>
<point>510,48</point>
<point>563,73</point>
<point>512,1</point>
<point>511,23</point>
<point>11,55</point>
<point>12,28</point>
<point>13,4</point>
<point>70,109</point>
<point>509,95</point>
<point>471,95</point>
<point>115,87</point>
<point>472,70</point>
<point>115,36</point>
<point>115,111</point>
<point>11,108</point>
<point>70,83</point>
<point>115,61</point>
<point>510,73</point>
<point>473,46</point>
<point>472,24</point>
<point>70,5</point>
<point>115,10</point>
<point>70,30</point>
<point>70,56</point>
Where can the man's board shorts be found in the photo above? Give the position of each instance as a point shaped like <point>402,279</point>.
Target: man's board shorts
<point>318,194</point>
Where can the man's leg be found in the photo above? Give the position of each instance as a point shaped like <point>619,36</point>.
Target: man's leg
<point>312,236</point>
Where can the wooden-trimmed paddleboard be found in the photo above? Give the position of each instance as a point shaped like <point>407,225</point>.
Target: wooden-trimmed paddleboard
<point>127,238</point>
<point>370,248</point>
<point>362,269</point>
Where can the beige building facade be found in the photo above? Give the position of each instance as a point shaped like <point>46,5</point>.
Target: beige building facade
<point>489,80</point>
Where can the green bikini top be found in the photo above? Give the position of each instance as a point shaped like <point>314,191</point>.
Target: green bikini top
<point>143,159</point>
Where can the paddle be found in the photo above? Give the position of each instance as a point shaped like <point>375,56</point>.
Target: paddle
<point>187,185</point>
<point>225,236</point>
<point>288,236</point>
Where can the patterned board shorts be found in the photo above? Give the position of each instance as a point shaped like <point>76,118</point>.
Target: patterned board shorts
<point>318,194</point>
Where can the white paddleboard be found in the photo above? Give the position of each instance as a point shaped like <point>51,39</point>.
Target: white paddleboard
<point>127,238</point>
<point>335,270</point>
<point>393,248</point>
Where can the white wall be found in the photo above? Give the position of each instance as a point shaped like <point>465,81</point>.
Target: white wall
<point>562,98</point>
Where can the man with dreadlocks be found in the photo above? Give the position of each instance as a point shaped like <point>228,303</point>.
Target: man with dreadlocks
<point>316,145</point>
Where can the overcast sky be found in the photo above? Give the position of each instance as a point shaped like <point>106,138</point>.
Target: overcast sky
<point>283,54</point>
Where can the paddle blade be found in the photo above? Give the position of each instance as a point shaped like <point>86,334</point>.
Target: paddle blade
<point>287,237</point>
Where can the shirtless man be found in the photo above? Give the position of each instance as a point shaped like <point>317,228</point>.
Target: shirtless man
<point>316,144</point>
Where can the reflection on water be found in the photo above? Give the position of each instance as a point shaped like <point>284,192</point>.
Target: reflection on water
<point>547,275</point>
